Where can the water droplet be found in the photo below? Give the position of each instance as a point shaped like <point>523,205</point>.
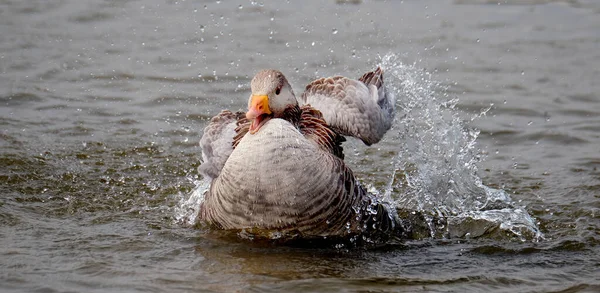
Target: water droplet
<point>522,72</point>
<point>334,31</point>
<point>240,6</point>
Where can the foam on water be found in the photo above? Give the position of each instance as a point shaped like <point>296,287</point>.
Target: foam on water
<point>437,163</point>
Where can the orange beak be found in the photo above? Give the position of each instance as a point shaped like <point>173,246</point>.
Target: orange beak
<point>258,109</point>
<point>258,105</point>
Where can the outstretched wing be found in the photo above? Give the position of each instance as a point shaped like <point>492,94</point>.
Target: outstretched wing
<point>361,108</point>
<point>217,142</point>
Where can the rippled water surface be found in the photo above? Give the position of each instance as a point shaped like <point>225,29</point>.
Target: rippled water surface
<point>493,159</point>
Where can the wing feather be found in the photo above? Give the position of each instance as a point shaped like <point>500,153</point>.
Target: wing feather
<point>361,108</point>
<point>217,142</point>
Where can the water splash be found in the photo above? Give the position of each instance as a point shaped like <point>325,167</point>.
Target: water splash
<point>188,207</point>
<point>435,170</point>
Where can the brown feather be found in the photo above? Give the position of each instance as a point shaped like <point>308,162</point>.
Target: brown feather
<point>243,126</point>
<point>373,77</point>
<point>327,86</point>
<point>314,128</point>
<point>309,122</point>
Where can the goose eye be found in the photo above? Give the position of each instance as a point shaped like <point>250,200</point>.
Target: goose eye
<point>278,91</point>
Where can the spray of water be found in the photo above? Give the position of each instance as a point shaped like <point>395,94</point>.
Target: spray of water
<point>187,210</point>
<point>437,158</point>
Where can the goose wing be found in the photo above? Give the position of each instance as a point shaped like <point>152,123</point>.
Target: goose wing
<point>217,142</point>
<point>361,108</point>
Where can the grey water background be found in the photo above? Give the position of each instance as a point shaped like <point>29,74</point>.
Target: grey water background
<point>103,103</point>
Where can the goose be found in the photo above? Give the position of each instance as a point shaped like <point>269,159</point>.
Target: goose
<point>278,169</point>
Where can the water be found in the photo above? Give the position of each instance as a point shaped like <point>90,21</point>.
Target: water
<point>103,104</point>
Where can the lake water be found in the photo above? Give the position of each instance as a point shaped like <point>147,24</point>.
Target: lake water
<point>493,159</point>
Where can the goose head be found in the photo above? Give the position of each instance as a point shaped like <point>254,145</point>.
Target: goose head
<point>271,96</point>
